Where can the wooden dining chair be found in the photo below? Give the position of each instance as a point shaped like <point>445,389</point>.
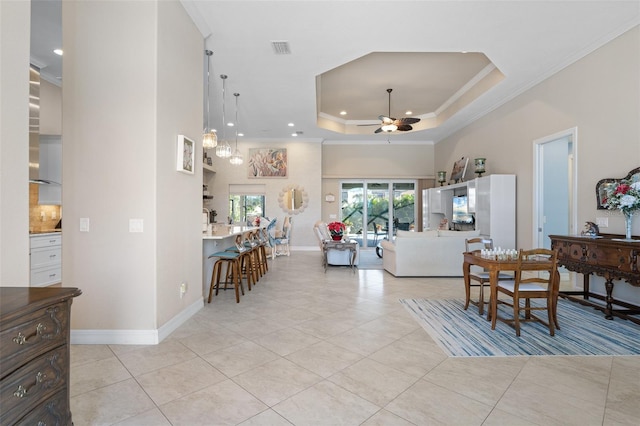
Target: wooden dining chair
<point>477,275</point>
<point>535,278</point>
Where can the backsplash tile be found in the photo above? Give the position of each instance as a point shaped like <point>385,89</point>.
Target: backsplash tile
<point>36,224</point>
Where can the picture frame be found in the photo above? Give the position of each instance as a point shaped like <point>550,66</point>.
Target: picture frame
<point>459,169</point>
<point>185,155</point>
<point>267,163</point>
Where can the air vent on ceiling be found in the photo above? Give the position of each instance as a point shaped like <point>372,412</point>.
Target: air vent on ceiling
<point>281,47</point>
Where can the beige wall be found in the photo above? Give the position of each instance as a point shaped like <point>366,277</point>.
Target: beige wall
<point>304,167</point>
<point>50,108</point>
<point>600,95</point>
<point>15,19</point>
<point>119,162</point>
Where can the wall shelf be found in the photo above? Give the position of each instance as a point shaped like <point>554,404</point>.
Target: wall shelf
<point>208,168</point>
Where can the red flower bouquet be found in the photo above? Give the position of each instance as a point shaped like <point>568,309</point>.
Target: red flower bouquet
<point>336,229</point>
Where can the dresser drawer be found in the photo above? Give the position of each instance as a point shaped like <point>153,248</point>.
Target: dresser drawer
<point>55,411</point>
<point>46,276</point>
<point>50,256</point>
<point>45,241</point>
<point>37,333</point>
<point>25,388</point>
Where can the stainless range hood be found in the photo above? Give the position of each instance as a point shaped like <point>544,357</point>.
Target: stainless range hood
<point>34,129</point>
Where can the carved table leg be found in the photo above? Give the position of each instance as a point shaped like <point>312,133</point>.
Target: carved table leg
<point>609,299</point>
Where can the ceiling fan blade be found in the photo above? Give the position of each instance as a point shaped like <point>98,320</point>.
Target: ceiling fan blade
<point>408,120</point>
<point>378,130</point>
<point>386,120</point>
<point>373,124</point>
<point>404,128</point>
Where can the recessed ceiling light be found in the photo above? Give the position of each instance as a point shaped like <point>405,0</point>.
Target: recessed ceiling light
<point>240,134</point>
<point>294,134</point>
<point>57,51</point>
<point>230,124</point>
<point>343,112</point>
<point>290,124</point>
<point>409,112</point>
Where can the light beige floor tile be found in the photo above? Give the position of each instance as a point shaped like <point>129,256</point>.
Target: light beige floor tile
<point>385,418</point>
<point>412,358</point>
<point>276,380</point>
<point>240,358</point>
<point>110,404</point>
<point>540,404</point>
<point>173,382</point>
<point>224,403</point>
<point>284,342</point>
<point>213,340</point>
<point>87,354</point>
<point>148,358</point>
<point>323,327</point>
<point>484,379</point>
<point>361,341</point>
<point>373,381</point>
<point>324,358</point>
<point>152,417</point>
<point>105,372</point>
<point>255,328</point>
<point>623,405</point>
<point>425,403</point>
<point>590,374</point>
<point>501,418</point>
<point>326,404</point>
<point>266,418</point>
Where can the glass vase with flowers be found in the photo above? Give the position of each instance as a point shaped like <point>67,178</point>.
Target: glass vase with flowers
<point>625,196</point>
<point>336,229</point>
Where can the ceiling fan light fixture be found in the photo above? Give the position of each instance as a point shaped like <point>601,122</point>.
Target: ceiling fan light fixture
<point>209,137</point>
<point>389,128</point>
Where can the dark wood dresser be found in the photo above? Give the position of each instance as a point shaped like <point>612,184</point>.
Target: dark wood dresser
<point>34,355</point>
<point>607,256</point>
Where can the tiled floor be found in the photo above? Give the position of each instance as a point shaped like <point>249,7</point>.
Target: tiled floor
<point>312,348</point>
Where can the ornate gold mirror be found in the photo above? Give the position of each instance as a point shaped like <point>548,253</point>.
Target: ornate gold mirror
<point>293,199</point>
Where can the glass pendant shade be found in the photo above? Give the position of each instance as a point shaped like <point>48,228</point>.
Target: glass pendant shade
<point>223,150</point>
<point>236,158</point>
<point>209,137</point>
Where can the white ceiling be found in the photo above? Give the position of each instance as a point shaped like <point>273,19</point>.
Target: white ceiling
<point>527,41</point>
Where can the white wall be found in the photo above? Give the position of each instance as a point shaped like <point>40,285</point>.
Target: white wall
<point>15,22</point>
<point>128,92</point>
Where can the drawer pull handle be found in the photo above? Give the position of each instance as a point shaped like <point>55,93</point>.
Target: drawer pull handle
<point>51,256</point>
<point>52,275</point>
<point>21,339</point>
<point>21,392</point>
<point>52,241</point>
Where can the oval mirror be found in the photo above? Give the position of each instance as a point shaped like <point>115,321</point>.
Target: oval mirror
<point>293,199</point>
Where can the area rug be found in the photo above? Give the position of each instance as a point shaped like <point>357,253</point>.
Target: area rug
<point>584,331</point>
<point>369,260</point>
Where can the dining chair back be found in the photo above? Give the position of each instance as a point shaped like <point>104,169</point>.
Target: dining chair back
<point>478,277</point>
<point>536,277</point>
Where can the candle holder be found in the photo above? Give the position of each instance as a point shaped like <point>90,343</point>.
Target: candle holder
<point>480,163</point>
<point>442,177</point>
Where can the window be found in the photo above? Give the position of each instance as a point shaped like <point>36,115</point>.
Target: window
<point>246,202</point>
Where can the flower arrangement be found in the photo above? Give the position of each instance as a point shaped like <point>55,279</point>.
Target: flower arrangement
<point>626,198</point>
<point>336,229</point>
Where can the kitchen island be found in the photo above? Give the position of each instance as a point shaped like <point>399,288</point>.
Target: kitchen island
<point>220,239</point>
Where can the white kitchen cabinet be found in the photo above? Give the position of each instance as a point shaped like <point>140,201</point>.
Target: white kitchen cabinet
<point>495,210</point>
<point>50,170</point>
<point>46,259</point>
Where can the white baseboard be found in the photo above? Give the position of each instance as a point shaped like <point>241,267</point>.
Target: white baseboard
<point>135,337</point>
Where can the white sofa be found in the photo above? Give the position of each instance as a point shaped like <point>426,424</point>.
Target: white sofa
<point>334,257</point>
<point>426,254</point>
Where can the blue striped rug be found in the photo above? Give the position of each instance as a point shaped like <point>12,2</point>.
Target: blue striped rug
<point>584,331</point>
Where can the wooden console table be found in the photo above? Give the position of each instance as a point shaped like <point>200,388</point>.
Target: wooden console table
<point>608,256</point>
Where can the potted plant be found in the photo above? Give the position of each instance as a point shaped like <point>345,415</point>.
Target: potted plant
<point>336,229</point>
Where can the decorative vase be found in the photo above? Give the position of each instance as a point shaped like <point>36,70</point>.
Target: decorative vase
<point>442,177</point>
<point>336,237</point>
<point>628,218</point>
<point>480,162</point>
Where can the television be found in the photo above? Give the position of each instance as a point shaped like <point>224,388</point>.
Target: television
<point>460,210</point>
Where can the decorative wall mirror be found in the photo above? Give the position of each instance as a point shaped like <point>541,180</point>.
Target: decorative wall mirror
<point>293,199</point>
<point>605,185</point>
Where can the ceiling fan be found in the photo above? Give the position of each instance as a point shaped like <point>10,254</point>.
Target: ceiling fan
<point>390,124</point>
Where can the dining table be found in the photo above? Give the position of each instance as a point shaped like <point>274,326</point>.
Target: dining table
<point>494,266</point>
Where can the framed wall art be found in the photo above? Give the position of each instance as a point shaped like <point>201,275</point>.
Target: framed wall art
<point>186,155</point>
<point>267,163</point>
<point>459,169</point>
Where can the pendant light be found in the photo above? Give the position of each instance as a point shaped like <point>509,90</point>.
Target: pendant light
<point>236,158</point>
<point>223,150</point>
<point>209,137</point>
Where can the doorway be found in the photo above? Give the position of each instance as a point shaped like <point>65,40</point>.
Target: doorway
<point>555,188</point>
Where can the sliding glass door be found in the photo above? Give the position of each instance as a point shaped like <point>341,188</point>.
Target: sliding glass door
<point>375,209</point>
